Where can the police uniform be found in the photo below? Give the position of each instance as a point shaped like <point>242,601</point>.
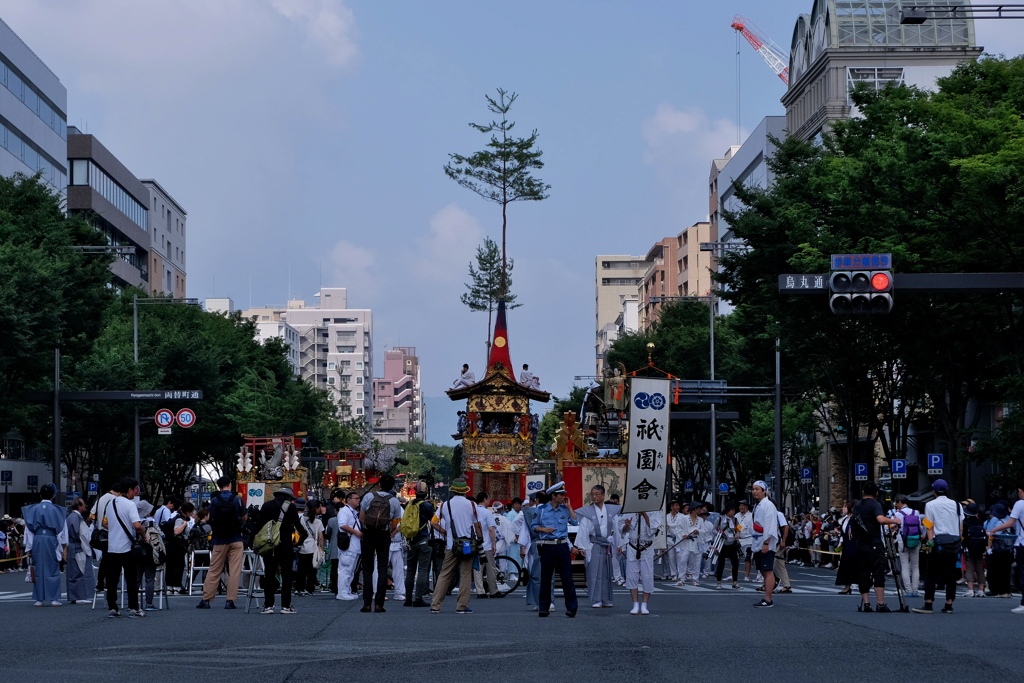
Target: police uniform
<point>554,554</point>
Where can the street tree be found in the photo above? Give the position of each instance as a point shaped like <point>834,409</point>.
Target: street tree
<point>502,172</point>
<point>933,179</point>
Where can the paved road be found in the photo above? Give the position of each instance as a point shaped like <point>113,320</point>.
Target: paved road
<point>694,634</point>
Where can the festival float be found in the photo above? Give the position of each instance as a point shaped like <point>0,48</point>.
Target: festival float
<point>499,430</point>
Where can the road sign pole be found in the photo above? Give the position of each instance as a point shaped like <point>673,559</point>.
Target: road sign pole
<point>138,457</point>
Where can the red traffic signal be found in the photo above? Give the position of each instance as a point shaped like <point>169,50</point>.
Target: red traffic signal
<point>861,291</point>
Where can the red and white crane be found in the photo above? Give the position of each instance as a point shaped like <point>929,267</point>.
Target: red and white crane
<point>777,60</point>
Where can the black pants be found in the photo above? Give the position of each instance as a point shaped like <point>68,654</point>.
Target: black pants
<point>436,558</point>
<point>175,563</point>
<point>279,560</point>
<point>999,572</point>
<point>115,564</point>
<point>417,566</point>
<point>552,557</point>
<point>376,547</point>
<point>941,570</point>
<point>871,567</point>
<point>728,552</point>
<point>334,576</point>
<point>306,578</point>
<point>1019,550</point>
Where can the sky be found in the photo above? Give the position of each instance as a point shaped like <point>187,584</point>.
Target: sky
<point>306,139</point>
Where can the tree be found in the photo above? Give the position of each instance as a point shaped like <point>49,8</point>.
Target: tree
<point>51,296</point>
<point>501,173</point>
<point>933,179</point>
<point>427,461</point>
<point>485,283</point>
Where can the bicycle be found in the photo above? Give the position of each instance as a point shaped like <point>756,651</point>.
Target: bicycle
<point>509,574</point>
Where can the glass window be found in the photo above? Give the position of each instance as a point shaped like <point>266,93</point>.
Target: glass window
<point>79,172</point>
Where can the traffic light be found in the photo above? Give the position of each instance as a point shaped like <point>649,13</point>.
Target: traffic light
<point>856,292</point>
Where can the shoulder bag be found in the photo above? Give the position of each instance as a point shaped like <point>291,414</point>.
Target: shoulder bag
<point>465,547</point>
<point>99,538</point>
<point>140,548</point>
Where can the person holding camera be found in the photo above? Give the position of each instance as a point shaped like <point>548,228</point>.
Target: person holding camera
<point>461,525</point>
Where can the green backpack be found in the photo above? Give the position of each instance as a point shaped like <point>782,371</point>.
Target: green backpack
<point>269,536</point>
<point>410,525</point>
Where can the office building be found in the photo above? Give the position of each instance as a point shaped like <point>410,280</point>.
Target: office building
<point>398,409</point>
<point>114,201</point>
<point>845,42</point>
<point>616,279</point>
<point>335,347</point>
<point>658,281</point>
<point>33,114</point>
<point>167,242</point>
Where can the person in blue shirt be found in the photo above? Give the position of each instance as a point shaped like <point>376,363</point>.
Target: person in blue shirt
<point>551,525</point>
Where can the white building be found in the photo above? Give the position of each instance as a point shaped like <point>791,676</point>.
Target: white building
<point>335,346</point>
<point>33,114</point>
<point>167,242</point>
<point>616,279</point>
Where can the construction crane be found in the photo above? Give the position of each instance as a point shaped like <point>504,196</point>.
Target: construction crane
<point>777,60</point>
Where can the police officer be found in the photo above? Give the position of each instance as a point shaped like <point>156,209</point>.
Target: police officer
<point>551,525</point>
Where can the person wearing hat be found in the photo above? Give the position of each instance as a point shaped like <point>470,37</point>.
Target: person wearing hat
<point>459,521</point>
<point>281,509</point>
<point>1015,520</point>
<point>975,547</point>
<point>552,527</point>
<point>944,520</point>
<point>765,539</point>
<point>46,537</point>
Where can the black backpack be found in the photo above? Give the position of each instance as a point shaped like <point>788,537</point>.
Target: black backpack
<point>224,518</point>
<point>977,540</point>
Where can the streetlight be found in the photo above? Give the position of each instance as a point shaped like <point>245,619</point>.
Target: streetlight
<point>136,302</point>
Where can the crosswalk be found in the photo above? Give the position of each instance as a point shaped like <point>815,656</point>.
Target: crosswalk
<point>13,596</point>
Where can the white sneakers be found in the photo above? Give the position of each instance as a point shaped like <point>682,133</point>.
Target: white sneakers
<point>347,596</point>
<point>596,605</point>
<point>1019,609</point>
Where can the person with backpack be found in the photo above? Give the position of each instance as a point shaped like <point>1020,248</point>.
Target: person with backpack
<point>226,519</point>
<point>278,520</point>
<point>349,545</point>
<point>380,512</point>
<point>311,550</point>
<point>867,520</point>
<point>175,531</point>
<point>1000,552</point>
<point>415,527</point>
<point>908,544</point>
<point>1016,521</point>
<point>943,519</point>
<point>975,546</point>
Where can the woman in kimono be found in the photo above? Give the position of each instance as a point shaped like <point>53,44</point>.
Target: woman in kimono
<point>79,571</point>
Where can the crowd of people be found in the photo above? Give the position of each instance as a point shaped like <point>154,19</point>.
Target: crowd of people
<point>365,544</point>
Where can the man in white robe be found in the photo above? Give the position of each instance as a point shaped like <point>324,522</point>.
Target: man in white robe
<point>595,540</point>
<point>466,378</point>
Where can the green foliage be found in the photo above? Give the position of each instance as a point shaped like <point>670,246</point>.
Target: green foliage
<point>502,172</point>
<point>427,460</point>
<point>485,280</point>
<point>934,179</point>
<point>50,295</point>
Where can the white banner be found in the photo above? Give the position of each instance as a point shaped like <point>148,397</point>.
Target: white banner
<point>535,482</point>
<point>255,494</point>
<point>647,466</point>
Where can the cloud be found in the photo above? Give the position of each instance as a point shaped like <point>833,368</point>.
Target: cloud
<point>350,267</point>
<point>161,50</point>
<point>329,25</point>
<point>445,252</point>
<point>679,136</point>
<point>679,145</point>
